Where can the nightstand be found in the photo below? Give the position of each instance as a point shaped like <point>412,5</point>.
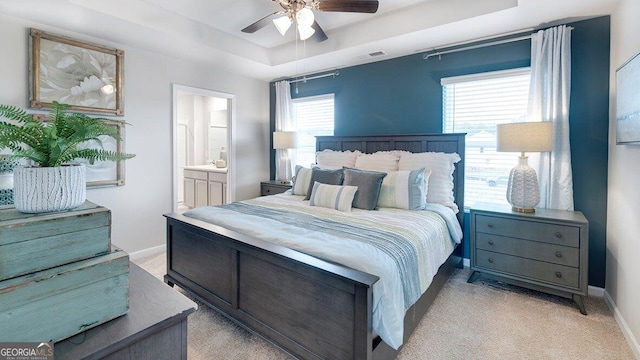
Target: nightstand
<point>545,251</point>
<point>273,187</point>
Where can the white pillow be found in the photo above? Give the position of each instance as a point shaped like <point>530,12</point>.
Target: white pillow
<point>332,196</point>
<point>330,159</point>
<point>440,183</point>
<point>301,181</point>
<point>384,161</point>
<point>404,190</point>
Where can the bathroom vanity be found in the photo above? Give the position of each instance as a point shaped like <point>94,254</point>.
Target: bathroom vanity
<point>205,185</point>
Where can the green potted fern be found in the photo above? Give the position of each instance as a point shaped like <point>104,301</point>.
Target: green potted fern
<point>56,182</point>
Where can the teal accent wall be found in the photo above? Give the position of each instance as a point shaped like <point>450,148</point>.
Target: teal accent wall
<point>404,96</point>
<point>589,127</point>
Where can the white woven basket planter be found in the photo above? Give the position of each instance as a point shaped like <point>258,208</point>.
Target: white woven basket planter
<point>45,189</point>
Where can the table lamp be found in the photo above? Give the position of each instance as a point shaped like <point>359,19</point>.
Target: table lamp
<point>523,191</point>
<point>284,140</point>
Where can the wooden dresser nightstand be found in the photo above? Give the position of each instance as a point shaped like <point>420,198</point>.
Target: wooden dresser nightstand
<point>155,327</point>
<point>545,251</point>
<point>273,187</point>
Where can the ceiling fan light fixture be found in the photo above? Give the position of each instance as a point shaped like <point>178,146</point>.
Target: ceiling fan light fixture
<point>305,32</point>
<point>282,24</point>
<point>302,12</point>
<point>305,18</point>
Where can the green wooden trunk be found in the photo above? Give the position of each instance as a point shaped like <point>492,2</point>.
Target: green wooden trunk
<point>34,242</point>
<point>56,303</point>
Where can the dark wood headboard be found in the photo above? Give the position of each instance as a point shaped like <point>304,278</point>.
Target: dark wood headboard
<point>447,143</point>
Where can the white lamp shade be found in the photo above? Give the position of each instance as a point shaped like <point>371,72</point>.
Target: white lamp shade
<point>285,139</point>
<point>282,24</point>
<point>305,18</point>
<point>305,32</point>
<point>525,137</point>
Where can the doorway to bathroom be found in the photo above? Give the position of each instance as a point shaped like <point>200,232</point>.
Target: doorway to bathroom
<point>203,150</point>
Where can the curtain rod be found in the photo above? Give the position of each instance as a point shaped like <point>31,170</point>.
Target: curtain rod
<point>477,46</point>
<point>471,47</point>
<point>305,78</point>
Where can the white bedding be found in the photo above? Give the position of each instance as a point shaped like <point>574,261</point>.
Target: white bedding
<point>434,231</point>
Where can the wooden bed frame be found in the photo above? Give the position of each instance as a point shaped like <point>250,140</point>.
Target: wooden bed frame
<point>310,308</point>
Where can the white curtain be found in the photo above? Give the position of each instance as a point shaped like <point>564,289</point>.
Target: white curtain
<point>284,122</point>
<point>549,101</point>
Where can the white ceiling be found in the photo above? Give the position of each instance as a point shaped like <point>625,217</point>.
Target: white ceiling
<point>230,16</point>
<point>209,30</point>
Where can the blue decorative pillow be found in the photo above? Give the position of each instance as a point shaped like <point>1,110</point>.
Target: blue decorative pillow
<point>404,190</point>
<point>332,196</point>
<point>301,181</point>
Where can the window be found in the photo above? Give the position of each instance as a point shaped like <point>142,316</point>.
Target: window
<point>314,117</point>
<point>475,104</point>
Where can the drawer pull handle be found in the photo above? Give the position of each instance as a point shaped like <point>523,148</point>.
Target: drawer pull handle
<point>558,234</point>
<point>558,274</point>
<point>490,261</point>
<point>490,242</point>
<point>558,254</point>
<point>490,226</point>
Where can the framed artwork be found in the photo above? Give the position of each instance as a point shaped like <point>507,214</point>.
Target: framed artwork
<point>106,173</point>
<point>103,173</point>
<point>86,76</point>
<point>628,102</point>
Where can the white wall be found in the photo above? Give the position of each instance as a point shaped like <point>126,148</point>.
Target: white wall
<point>138,206</point>
<point>623,210</point>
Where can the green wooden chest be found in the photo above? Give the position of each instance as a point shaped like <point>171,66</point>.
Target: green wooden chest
<point>34,242</point>
<point>53,304</point>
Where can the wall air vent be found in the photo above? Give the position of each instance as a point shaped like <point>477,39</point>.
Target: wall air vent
<point>372,55</point>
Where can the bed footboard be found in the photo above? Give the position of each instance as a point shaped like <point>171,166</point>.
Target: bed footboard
<point>308,307</point>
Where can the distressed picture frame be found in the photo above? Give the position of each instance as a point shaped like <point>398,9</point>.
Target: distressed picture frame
<point>86,76</point>
<point>103,173</point>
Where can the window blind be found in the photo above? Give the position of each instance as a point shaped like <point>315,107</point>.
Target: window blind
<point>314,117</point>
<point>475,104</point>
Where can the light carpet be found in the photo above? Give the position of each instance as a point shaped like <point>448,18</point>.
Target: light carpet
<point>483,320</point>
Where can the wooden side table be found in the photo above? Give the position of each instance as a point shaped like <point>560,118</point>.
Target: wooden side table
<point>154,328</point>
<point>273,187</point>
<point>545,251</point>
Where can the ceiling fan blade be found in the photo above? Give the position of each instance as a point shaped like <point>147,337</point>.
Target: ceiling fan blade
<point>361,6</point>
<point>259,24</point>
<point>319,35</point>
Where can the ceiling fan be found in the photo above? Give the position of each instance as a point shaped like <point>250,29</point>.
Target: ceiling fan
<point>301,12</point>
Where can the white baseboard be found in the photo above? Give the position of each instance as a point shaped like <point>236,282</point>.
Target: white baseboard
<point>466,262</point>
<point>626,331</point>
<point>147,252</point>
<point>595,291</point>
